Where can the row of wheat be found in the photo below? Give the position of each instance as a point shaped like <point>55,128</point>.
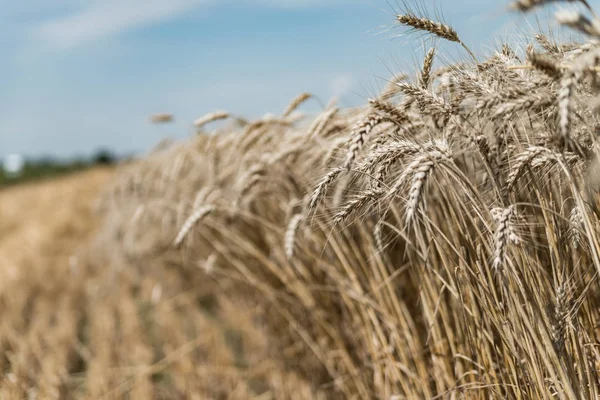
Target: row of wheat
<point>440,242</point>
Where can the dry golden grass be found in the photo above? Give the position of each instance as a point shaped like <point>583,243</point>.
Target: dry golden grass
<point>46,221</point>
<point>78,324</point>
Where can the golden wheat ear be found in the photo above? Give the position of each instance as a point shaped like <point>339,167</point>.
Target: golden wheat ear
<point>296,102</point>
<point>545,65</point>
<point>528,5</point>
<point>425,77</point>
<point>576,20</point>
<point>438,29</point>
<point>161,118</point>
<point>211,117</point>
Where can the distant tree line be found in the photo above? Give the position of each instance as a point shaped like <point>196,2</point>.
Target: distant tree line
<point>45,167</point>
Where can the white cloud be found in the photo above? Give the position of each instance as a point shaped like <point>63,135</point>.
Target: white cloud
<point>100,19</point>
<point>65,24</point>
<point>341,85</point>
<point>299,3</point>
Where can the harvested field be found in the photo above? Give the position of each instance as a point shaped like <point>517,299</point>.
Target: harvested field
<point>75,325</point>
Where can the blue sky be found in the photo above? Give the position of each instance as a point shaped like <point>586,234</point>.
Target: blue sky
<point>77,75</point>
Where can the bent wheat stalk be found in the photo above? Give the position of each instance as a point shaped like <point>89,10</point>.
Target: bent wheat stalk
<point>435,28</point>
<point>192,220</point>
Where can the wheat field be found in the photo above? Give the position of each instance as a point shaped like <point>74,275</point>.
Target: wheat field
<point>440,242</point>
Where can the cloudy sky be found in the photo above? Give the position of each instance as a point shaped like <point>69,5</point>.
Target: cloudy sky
<point>77,75</point>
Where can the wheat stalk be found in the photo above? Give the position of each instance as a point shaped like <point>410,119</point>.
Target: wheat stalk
<point>360,136</point>
<point>321,122</point>
<point>545,65</point>
<point>192,220</point>
<point>415,192</point>
<point>565,98</point>
<point>502,237</point>
<point>391,88</point>
<point>378,235</point>
<point>427,102</point>
<point>528,5</point>
<point>527,102</point>
<point>301,98</point>
<point>425,77</point>
<point>210,117</point>
<point>422,164</point>
<point>435,28</point>
<point>546,44</point>
<point>359,201</point>
<point>386,155</point>
<point>575,226</point>
<point>389,110</point>
<point>323,186</point>
<point>578,21</point>
<point>560,320</point>
<point>161,118</point>
<point>290,235</point>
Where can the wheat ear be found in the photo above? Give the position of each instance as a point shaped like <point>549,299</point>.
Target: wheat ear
<point>565,99</point>
<point>435,28</point>
<point>211,117</point>
<point>323,186</point>
<point>298,100</point>
<point>192,220</point>
<point>389,110</point>
<point>425,77</point>
<point>290,235</point>
<point>503,235</point>
<point>528,5</point>
<point>544,64</point>
<point>359,201</point>
<point>360,136</point>
<point>321,122</point>
<point>561,319</point>
<point>575,20</point>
